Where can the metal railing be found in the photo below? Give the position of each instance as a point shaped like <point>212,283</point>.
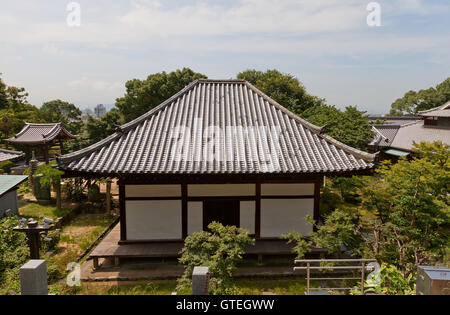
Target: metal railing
<point>361,267</point>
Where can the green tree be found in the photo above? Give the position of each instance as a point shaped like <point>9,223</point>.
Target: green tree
<point>143,95</point>
<point>415,101</point>
<point>64,112</point>
<point>350,127</point>
<point>15,111</point>
<point>219,249</point>
<point>283,88</point>
<point>3,98</point>
<point>95,130</point>
<point>406,214</point>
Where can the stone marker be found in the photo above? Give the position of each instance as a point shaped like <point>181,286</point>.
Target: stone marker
<point>33,278</point>
<point>200,281</point>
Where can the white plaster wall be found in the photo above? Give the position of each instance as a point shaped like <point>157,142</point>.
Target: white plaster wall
<point>221,190</point>
<point>153,220</point>
<point>247,216</point>
<point>281,216</point>
<point>195,217</point>
<point>287,189</point>
<point>135,191</point>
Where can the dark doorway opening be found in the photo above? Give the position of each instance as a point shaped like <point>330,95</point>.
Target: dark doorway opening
<point>226,212</point>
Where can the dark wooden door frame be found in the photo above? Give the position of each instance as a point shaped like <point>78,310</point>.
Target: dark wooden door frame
<point>234,211</point>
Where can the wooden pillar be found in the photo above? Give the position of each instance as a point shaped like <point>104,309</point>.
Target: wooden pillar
<point>184,211</point>
<point>123,217</point>
<point>61,147</point>
<point>58,194</point>
<point>258,211</point>
<point>316,202</point>
<point>46,157</point>
<point>108,195</point>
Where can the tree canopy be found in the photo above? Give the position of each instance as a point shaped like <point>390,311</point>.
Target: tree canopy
<point>143,95</point>
<point>406,214</point>
<point>64,112</point>
<point>351,126</point>
<point>286,89</point>
<point>415,101</point>
<point>15,109</point>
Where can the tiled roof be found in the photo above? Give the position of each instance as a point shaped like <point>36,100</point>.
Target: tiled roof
<point>417,132</point>
<point>392,120</point>
<point>253,134</point>
<point>384,134</point>
<point>6,155</point>
<point>40,133</point>
<point>7,182</point>
<point>441,111</point>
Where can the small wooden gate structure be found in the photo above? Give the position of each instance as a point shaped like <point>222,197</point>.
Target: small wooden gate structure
<point>357,264</point>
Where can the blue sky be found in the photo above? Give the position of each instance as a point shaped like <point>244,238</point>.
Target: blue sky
<point>327,44</point>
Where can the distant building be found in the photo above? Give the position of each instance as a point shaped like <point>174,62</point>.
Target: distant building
<point>8,193</point>
<point>100,110</point>
<point>86,113</point>
<point>395,137</point>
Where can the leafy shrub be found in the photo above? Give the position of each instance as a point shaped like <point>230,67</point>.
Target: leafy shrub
<point>220,249</point>
<point>391,282</point>
<point>6,166</point>
<point>74,189</point>
<point>51,240</point>
<point>14,253</point>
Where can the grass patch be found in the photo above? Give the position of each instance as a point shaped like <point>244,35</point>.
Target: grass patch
<point>34,210</point>
<point>75,238</point>
<point>283,286</point>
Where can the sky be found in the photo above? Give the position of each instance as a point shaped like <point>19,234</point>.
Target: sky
<point>327,44</point>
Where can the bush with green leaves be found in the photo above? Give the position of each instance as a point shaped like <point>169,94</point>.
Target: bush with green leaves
<point>406,219</point>
<point>389,280</point>
<point>220,249</point>
<point>14,253</point>
<point>6,166</point>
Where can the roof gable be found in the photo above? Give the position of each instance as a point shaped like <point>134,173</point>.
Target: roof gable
<point>33,133</point>
<point>212,126</point>
<point>8,182</point>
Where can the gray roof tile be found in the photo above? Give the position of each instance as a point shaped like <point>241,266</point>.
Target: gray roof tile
<point>33,133</point>
<point>259,136</point>
<point>6,155</point>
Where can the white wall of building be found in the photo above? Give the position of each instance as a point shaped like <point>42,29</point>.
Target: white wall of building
<point>247,216</point>
<point>281,216</point>
<point>153,220</point>
<point>195,217</point>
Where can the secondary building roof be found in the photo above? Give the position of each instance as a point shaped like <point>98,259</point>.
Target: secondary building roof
<point>418,132</point>
<point>218,127</point>
<point>441,111</point>
<point>35,134</point>
<point>9,182</point>
<point>6,155</point>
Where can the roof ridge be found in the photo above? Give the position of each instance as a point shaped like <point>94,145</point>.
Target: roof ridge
<point>10,151</point>
<point>315,129</point>
<point>127,126</point>
<point>441,107</point>
<point>130,125</point>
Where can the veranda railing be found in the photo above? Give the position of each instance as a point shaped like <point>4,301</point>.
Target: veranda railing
<point>359,265</point>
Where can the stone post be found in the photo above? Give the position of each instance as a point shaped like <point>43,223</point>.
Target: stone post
<point>200,281</point>
<point>108,195</point>
<point>33,278</point>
